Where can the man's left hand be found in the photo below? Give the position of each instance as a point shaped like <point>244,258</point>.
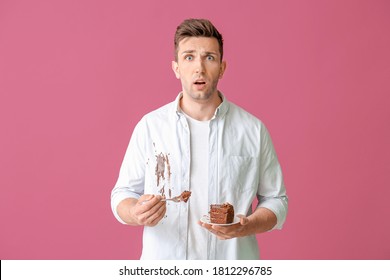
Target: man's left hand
<point>228,232</point>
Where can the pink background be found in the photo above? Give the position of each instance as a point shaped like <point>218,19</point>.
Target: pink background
<point>76,76</point>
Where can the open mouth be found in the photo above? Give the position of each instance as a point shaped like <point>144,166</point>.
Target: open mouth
<point>199,83</point>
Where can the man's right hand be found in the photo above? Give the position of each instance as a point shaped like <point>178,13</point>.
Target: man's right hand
<point>148,210</point>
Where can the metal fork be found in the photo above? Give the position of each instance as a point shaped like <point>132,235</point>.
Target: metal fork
<point>174,199</point>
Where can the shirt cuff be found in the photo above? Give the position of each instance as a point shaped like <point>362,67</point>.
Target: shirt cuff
<point>116,199</point>
<point>278,206</point>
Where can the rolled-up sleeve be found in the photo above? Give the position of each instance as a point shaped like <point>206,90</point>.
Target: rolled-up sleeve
<point>131,180</point>
<point>271,191</point>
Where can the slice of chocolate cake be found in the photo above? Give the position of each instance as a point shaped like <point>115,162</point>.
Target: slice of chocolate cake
<point>221,213</point>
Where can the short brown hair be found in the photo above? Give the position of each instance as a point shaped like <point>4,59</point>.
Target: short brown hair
<point>197,28</point>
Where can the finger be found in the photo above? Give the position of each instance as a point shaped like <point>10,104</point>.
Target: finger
<point>145,198</point>
<point>220,235</point>
<point>227,232</point>
<point>149,204</point>
<point>217,230</point>
<point>149,212</point>
<point>206,226</point>
<point>158,204</point>
<point>243,219</point>
<point>157,216</point>
<point>156,212</point>
<point>141,209</point>
<point>226,229</point>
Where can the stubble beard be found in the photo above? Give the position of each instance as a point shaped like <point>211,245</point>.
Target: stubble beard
<point>201,96</point>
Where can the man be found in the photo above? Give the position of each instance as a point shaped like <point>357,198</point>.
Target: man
<point>209,146</point>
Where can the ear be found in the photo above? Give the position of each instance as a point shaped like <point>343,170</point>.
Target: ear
<point>222,69</point>
<point>175,68</point>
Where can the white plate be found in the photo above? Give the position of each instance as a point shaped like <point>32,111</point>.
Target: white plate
<point>206,219</point>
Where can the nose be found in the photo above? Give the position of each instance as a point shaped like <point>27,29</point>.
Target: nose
<point>199,65</point>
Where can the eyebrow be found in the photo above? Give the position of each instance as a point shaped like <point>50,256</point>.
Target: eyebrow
<point>192,51</point>
<point>188,51</point>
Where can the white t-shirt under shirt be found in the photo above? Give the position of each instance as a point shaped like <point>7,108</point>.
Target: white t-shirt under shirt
<point>198,203</point>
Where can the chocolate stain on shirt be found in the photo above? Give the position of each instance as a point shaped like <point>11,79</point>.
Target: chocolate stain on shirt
<point>160,168</point>
<point>169,175</point>
<point>162,172</point>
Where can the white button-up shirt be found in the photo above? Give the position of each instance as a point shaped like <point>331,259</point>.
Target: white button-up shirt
<point>242,166</point>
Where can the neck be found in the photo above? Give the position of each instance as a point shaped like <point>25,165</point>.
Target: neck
<point>201,110</point>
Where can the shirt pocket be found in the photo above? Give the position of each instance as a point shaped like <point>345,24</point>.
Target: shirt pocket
<point>242,175</point>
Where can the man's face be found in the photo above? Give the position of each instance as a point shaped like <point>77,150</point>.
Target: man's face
<point>199,67</point>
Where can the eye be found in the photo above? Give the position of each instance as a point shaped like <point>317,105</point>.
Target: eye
<point>210,57</point>
<point>189,57</point>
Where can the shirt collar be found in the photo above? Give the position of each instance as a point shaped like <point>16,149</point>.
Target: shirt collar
<point>219,112</point>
